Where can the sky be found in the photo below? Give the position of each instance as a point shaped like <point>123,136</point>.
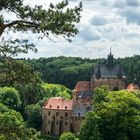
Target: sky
<point>104,24</point>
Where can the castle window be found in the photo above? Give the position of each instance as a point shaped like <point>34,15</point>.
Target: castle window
<point>50,106</point>
<point>66,123</point>
<point>58,106</point>
<point>65,107</point>
<point>56,113</point>
<point>48,132</point>
<point>49,113</point>
<point>66,114</point>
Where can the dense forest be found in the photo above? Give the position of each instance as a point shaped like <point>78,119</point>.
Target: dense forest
<point>68,70</point>
<point>21,103</point>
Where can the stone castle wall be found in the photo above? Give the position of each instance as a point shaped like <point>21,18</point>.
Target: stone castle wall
<point>77,120</point>
<point>56,122</point>
<point>113,83</point>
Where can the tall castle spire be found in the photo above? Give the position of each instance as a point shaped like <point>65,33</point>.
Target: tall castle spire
<point>110,50</point>
<point>110,60</point>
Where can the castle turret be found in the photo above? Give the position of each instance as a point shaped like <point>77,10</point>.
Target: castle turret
<point>110,60</point>
<point>109,73</point>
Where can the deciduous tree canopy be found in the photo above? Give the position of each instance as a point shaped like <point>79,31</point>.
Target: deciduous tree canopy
<point>12,126</point>
<point>68,136</point>
<point>116,115</point>
<point>10,97</point>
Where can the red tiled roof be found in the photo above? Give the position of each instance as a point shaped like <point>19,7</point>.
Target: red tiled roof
<point>59,103</point>
<point>83,86</point>
<point>132,87</point>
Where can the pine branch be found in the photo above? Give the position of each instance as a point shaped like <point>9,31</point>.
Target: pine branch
<point>16,22</point>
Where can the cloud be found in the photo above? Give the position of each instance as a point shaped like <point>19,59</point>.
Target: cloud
<point>129,9</point>
<point>104,24</point>
<point>131,15</point>
<point>88,35</point>
<point>133,2</point>
<point>120,3</point>
<point>98,21</point>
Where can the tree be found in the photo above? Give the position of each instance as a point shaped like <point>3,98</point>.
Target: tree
<point>52,90</point>
<point>10,97</point>
<point>34,117</point>
<point>68,136</point>
<point>57,20</point>
<point>100,94</point>
<point>119,116</point>
<point>63,70</point>
<point>30,93</point>
<point>12,125</point>
<point>89,129</point>
<point>13,72</point>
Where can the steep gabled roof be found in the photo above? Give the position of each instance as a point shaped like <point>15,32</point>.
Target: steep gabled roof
<point>83,86</point>
<point>103,71</point>
<point>59,103</point>
<point>109,69</point>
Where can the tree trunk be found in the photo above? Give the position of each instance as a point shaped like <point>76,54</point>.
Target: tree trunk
<point>2,28</point>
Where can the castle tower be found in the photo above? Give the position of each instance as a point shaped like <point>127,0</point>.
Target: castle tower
<point>109,74</point>
<point>110,60</point>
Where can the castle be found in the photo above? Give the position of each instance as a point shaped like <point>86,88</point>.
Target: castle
<point>60,115</point>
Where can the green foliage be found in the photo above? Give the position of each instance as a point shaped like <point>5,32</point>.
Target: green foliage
<point>100,94</point>
<point>131,67</point>
<point>63,70</point>
<point>52,90</point>
<point>34,118</point>
<point>118,113</point>
<point>57,19</point>
<point>89,129</point>
<point>47,137</point>
<point>31,93</point>
<point>12,125</point>
<point>10,98</point>
<point>13,72</point>
<point>68,136</point>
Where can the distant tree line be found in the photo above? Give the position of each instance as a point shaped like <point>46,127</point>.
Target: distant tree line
<point>68,70</point>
